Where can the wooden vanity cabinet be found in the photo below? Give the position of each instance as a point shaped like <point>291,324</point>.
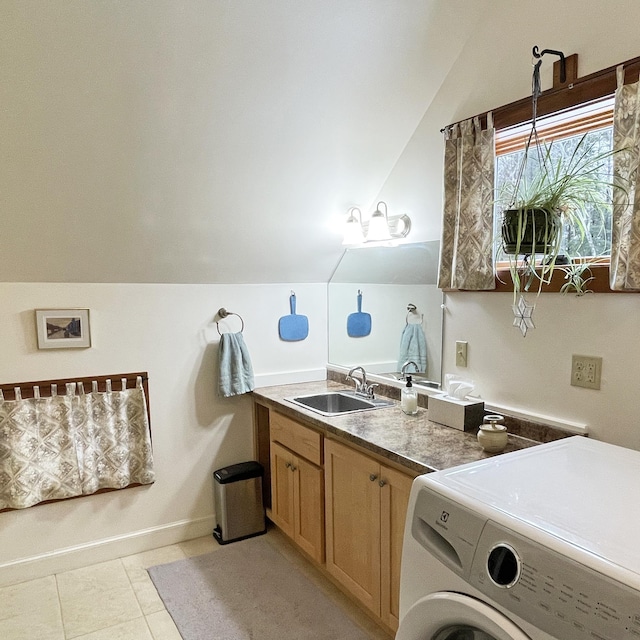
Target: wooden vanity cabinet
<point>332,497</point>
<point>297,483</point>
<point>366,506</point>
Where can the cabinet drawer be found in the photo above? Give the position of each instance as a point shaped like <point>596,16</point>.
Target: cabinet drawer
<point>301,440</point>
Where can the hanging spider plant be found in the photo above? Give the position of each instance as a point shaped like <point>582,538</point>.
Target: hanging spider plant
<point>553,192</point>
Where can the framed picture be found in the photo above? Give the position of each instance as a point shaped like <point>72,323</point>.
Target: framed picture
<point>63,328</point>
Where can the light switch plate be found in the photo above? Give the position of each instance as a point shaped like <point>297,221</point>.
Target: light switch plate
<point>461,353</point>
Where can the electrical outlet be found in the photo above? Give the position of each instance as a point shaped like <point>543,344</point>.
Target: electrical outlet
<point>586,371</point>
<point>461,353</point>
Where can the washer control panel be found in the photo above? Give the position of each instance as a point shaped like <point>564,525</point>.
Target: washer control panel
<point>552,592</point>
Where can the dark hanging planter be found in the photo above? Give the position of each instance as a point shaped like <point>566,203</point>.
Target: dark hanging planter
<point>539,231</point>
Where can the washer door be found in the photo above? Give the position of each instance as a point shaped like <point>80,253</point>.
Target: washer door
<point>452,616</point>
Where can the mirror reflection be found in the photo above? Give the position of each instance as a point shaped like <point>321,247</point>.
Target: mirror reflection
<point>385,309</point>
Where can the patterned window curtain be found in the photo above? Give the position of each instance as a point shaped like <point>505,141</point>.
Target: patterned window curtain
<point>625,236</point>
<point>38,459</point>
<point>65,446</point>
<point>466,256</point>
<point>114,440</point>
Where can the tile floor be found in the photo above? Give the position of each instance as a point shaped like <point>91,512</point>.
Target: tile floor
<point>116,600</point>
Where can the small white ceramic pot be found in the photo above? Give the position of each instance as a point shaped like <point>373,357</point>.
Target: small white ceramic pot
<point>492,434</point>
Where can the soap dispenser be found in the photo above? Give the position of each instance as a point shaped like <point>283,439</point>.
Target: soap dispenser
<point>409,399</point>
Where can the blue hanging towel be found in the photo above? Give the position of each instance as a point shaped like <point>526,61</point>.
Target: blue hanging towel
<point>413,346</point>
<point>235,370</point>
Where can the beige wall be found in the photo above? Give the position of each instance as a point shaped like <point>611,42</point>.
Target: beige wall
<point>532,374</point>
<point>155,141</point>
<point>167,330</point>
<point>164,141</point>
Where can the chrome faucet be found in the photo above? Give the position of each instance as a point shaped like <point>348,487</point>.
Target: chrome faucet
<point>360,384</point>
<point>403,371</point>
<point>362,387</point>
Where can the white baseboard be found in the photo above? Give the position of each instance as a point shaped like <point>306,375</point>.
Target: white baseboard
<point>578,428</point>
<point>102,550</point>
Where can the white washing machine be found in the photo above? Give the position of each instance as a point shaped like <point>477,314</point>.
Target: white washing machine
<point>539,544</point>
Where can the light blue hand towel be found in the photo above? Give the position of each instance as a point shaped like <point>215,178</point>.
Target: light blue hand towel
<point>235,370</point>
<point>413,346</point>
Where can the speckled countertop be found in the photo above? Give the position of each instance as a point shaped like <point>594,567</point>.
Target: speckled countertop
<point>410,441</point>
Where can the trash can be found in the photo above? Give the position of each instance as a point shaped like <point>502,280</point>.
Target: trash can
<point>237,490</point>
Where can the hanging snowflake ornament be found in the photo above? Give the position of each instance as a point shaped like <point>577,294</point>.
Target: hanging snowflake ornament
<point>523,311</point>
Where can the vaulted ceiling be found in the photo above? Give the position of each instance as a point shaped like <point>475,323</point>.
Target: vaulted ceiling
<point>206,141</point>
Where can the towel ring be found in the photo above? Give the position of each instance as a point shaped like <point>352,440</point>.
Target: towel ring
<point>223,313</point>
<point>412,309</point>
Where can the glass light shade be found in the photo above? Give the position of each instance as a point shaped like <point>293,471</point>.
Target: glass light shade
<point>353,232</point>
<point>378,227</point>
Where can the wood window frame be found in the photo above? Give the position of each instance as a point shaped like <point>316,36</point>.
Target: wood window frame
<point>599,283</point>
<point>562,96</point>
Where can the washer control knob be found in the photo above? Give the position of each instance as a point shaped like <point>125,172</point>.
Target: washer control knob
<point>503,565</point>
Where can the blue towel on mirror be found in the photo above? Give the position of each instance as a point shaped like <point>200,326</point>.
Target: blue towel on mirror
<point>235,370</point>
<point>413,346</point>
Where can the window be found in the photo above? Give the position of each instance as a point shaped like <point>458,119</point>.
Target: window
<point>561,133</point>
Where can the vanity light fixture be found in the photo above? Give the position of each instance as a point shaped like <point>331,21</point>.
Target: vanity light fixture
<point>380,228</point>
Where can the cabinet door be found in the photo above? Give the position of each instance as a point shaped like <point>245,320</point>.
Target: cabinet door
<point>352,498</point>
<point>309,508</point>
<point>282,489</point>
<point>394,498</point>
<point>297,498</point>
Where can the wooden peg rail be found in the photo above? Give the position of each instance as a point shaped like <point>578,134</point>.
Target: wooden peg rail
<point>26,388</point>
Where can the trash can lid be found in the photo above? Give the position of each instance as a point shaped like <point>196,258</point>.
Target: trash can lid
<point>240,471</point>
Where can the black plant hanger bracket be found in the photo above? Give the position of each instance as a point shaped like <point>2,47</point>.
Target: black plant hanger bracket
<point>563,65</point>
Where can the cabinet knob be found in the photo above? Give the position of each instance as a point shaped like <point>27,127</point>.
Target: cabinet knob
<point>293,468</point>
<point>373,477</point>
<point>288,465</point>
<point>382,483</point>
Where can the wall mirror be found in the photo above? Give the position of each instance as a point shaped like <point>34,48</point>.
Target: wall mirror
<point>390,279</point>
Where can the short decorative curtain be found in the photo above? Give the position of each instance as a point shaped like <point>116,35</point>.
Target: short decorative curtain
<point>466,256</point>
<point>73,444</point>
<point>625,236</point>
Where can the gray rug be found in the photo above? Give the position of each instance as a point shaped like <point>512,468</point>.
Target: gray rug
<point>248,591</point>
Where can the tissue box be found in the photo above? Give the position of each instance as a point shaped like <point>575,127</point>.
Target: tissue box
<point>466,415</point>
